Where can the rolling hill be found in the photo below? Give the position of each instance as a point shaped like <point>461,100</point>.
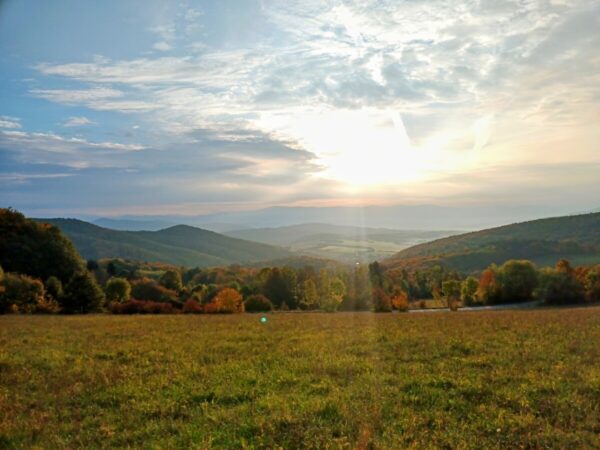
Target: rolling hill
<point>343,243</point>
<point>543,241</point>
<point>180,245</point>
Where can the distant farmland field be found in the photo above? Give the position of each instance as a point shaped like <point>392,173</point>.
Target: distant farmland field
<point>499,379</point>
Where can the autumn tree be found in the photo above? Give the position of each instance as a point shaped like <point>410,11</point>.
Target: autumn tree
<point>228,301</point>
<point>488,290</point>
<point>381,301</point>
<point>400,301</point>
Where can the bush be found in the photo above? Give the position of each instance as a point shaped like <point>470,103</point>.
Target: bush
<point>258,303</point>
<point>149,290</point>
<point>142,307</point>
<point>191,306</point>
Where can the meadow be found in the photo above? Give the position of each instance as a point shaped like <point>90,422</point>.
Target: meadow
<point>496,379</point>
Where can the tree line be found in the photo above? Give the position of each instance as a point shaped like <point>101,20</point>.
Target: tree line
<point>43,273</point>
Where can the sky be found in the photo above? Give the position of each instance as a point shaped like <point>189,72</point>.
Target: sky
<point>179,107</point>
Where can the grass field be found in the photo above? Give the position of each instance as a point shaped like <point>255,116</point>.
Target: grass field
<point>502,379</point>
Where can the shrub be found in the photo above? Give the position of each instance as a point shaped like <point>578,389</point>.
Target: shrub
<point>257,303</point>
<point>150,290</point>
<point>141,307</point>
<point>191,306</point>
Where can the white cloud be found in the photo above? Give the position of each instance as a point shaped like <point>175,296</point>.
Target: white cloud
<point>77,121</point>
<point>476,83</point>
<point>9,122</point>
<point>162,46</point>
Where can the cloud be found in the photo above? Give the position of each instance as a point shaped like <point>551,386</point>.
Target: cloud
<point>310,85</point>
<point>162,46</point>
<point>77,121</point>
<point>9,122</point>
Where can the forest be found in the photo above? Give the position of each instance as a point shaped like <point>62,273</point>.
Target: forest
<point>42,272</point>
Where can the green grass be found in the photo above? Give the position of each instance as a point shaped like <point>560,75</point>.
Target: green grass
<point>503,379</point>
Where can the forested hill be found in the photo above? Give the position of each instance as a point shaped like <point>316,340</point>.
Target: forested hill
<point>542,241</point>
<point>180,245</point>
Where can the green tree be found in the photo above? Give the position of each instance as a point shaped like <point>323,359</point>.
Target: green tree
<point>82,294</point>
<point>310,296</point>
<point>117,290</point>
<point>518,280</point>
<point>258,303</point>
<point>451,290</point>
<point>468,291</point>
<point>171,279</point>
<point>36,249</point>
<point>280,287</point>
<point>559,286</point>
<point>592,284</point>
<point>333,291</point>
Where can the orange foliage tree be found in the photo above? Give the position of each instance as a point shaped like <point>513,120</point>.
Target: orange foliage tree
<point>227,301</point>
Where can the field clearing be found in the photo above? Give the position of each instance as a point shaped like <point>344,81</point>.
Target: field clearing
<point>497,379</point>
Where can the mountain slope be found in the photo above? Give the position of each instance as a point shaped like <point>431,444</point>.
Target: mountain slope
<point>181,245</point>
<point>542,241</point>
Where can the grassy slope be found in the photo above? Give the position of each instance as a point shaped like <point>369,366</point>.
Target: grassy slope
<point>182,245</point>
<point>543,241</point>
<point>521,379</point>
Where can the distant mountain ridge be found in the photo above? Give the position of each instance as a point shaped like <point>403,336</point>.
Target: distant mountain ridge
<point>405,217</point>
<point>543,241</point>
<point>179,245</point>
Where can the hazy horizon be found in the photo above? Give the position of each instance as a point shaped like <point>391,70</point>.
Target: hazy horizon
<point>159,108</point>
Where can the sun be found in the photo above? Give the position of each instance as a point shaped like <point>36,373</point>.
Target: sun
<point>360,148</point>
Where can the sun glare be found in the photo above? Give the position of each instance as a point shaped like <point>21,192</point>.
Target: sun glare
<point>360,148</point>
